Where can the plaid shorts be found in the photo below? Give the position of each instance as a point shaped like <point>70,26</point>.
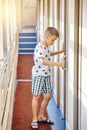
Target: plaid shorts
<point>41,84</point>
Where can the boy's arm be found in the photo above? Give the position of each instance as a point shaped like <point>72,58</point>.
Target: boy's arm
<point>51,63</point>
<point>58,52</point>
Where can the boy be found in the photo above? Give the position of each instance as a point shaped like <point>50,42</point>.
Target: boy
<point>41,75</point>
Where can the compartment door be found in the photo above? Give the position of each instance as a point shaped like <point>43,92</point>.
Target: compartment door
<point>29,13</point>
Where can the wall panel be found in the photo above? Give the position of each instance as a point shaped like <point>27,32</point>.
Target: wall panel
<point>82,115</point>
<point>62,84</point>
<point>70,61</point>
<point>56,48</point>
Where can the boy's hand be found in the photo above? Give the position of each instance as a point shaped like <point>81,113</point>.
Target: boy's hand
<point>62,63</point>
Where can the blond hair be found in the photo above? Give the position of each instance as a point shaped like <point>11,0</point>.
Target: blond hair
<point>52,31</point>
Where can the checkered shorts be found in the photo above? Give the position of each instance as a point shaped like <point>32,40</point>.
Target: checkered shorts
<point>41,84</point>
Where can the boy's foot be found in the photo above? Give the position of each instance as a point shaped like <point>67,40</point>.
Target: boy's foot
<point>46,121</point>
<point>34,125</point>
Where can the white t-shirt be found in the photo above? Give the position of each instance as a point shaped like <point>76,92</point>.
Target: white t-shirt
<point>39,68</point>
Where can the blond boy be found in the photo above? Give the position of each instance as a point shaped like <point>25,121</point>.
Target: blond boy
<point>41,75</point>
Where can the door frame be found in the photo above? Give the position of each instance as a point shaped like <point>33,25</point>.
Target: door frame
<point>65,70</point>
<point>76,65</point>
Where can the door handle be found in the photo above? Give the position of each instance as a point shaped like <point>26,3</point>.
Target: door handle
<point>65,68</point>
<point>64,56</point>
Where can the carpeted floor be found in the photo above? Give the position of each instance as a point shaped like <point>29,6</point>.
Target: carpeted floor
<point>22,113</point>
<point>25,63</point>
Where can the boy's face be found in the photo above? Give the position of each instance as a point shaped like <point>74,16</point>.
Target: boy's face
<point>50,39</point>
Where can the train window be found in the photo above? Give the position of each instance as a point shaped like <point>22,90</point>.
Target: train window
<point>4,29</point>
<point>1,34</point>
<point>6,38</point>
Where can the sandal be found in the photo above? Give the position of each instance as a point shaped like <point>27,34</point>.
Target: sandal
<point>34,125</point>
<point>46,121</point>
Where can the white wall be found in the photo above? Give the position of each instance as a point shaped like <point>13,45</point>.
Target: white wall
<point>8,61</point>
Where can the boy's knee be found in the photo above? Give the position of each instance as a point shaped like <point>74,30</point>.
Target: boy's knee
<point>35,97</point>
<point>48,96</point>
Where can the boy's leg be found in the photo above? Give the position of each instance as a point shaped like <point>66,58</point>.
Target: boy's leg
<point>34,123</point>
<point>35,107</point>
<point>43,107</point>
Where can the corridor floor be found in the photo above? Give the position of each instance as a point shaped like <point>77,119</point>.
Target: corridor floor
<point>22,114</point>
